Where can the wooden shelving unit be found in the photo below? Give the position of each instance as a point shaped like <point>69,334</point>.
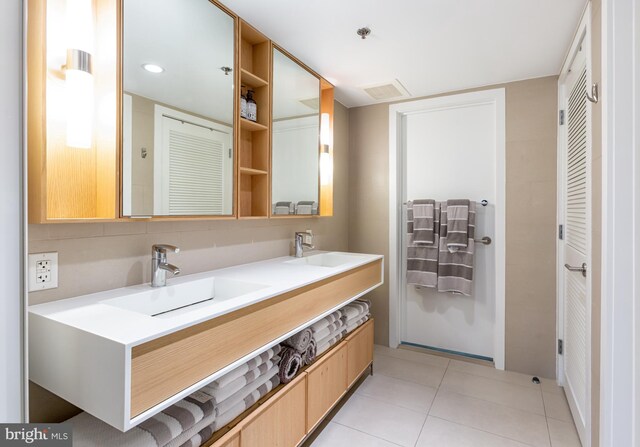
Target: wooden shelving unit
<point>255,137</point>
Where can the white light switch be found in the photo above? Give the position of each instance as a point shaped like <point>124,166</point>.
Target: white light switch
<point>43,271</point>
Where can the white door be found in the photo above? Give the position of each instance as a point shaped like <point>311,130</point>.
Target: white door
<point>575,246</point>
<point>452,152</point>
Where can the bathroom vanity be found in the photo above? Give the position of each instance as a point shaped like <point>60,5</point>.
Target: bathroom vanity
<point>124,355</point>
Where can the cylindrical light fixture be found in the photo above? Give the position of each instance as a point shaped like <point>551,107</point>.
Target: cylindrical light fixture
<point>79,74</point>
<point>326,162</point>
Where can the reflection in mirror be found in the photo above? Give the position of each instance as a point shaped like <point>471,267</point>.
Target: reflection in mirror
<point>295,143</point>
<point>177,108</point>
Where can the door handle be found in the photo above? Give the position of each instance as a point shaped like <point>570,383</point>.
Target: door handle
<point>582,268</point>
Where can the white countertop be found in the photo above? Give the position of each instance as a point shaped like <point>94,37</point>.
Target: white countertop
<point>89,313</point>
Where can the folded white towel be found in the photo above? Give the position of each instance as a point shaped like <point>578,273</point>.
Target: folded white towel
<point>246,390</point>
<point>245,368</point>
<point>326,321</point>
<point>220,394</point>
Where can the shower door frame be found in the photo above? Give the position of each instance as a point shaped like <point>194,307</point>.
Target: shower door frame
<point>397,174</point>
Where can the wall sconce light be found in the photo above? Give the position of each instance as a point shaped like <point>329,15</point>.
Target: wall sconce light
<point>79,74</point>
<point>326,140</point>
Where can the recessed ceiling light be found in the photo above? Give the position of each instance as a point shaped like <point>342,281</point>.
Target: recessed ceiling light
<point>153,68</point>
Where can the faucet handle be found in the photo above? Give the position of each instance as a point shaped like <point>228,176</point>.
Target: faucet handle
<point>163,248</point>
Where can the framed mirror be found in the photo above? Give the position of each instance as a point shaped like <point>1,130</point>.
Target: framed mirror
<point>295,140</point>
<point>177,108</point>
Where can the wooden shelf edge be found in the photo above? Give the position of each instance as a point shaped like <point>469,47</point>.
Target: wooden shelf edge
<point>251,125</point>
<point>251,80</point>
<point>251,171</point>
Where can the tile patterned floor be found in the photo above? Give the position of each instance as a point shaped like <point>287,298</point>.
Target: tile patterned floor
<point>420,400</point>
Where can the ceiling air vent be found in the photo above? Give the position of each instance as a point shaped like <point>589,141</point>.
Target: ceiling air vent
<point>386,91</point>
<point>312,103</point>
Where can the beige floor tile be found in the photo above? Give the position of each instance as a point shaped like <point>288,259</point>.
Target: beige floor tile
<point>551,386</point>
<point>494,418</point>
<point>517,396</point>
<point>380,419</point>
<point>492,373</point>
<point>336,435</point>
<point>398,392</point>
<point>440,433</point>
<point>420,373</point>
<point>557,407</point>
<point>563,434</point>
<point>414,356</point>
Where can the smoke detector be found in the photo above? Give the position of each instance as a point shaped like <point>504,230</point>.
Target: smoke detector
<point>386,90</point>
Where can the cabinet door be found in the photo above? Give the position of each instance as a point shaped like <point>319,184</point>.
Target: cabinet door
<point>227,441</point>
<point>360,351</point>
<point>281,424</point>
<point>326,383</point>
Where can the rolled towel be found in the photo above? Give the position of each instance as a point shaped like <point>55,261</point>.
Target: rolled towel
<point>299,341</point>
<point>310,354</point>
<point>246,367</point>
<point>326,321</point>
<point>290,363</point>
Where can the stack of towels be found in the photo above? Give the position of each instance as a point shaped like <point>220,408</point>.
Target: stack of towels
<point>356,314</point>
<point>193,420</point>
<point>329,331</point>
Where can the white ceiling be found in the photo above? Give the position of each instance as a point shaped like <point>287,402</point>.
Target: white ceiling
<point>430,46</point>
<point>191,40</point>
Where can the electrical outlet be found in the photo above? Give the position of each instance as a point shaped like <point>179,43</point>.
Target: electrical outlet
<point>43,271</point>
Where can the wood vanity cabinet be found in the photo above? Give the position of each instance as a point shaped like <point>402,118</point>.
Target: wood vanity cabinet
<point>359,352</point>
<point>280,422</point>
<point>326,384</point>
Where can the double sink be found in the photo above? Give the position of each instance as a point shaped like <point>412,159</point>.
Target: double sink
<point>171,300</point>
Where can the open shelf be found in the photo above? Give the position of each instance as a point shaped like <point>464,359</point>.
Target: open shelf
<point>254,161</point>
<point>250,80</point>
<point>251,126</point>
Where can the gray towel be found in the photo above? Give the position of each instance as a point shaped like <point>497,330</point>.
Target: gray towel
<point>310,354</point>
<point>422,260</point>
<point>421,220</point>
<point>455,269</point>
<point>245,367</point>
<point>290,364</point>
<point>283,208</point>
<point>326,321</point>
<point>353,326</point>
<point>218,395</point>
<point>249,388</point>
<point>307,207</point>
<point>300,340</point>
<point>457,218</point>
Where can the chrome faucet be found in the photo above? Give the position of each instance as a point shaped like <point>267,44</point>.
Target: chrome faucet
<point>160,266</point>
<point>300,244</point>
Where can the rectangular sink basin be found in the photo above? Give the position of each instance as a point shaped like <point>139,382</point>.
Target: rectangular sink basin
<point>187,296</point>
<point>332,259</point>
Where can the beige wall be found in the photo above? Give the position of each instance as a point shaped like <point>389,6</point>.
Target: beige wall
<point>96,257</point>
<point>531,215</point>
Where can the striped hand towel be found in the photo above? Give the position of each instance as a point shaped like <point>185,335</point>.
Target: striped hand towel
<point>326,321</point>
<point>457,218</point>
<point>232,400</point>
<point>421,220</point>
<point>422,260</point>
<point>283,208</point>
<point>455,269</point>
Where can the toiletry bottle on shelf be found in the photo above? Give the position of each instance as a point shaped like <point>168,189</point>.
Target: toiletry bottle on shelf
<point>252,107</point>
<point>243,103</point>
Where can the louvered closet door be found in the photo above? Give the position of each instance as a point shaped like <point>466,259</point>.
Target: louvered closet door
<point>576,243</point>
<point>194,169</point>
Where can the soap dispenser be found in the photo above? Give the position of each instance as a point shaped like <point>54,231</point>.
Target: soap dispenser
<point>243,103</point>
<point>252,107</point>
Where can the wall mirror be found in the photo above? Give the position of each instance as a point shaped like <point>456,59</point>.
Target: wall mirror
<point>177,108</point>
<point>295,138</point>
